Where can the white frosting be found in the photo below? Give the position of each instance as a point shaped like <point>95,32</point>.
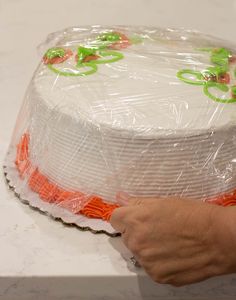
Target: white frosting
<point>133,125</point>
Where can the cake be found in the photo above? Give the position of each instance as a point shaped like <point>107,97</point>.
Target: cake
<point>147,111</point>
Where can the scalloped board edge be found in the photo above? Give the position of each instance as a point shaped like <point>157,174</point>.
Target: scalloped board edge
<point>82,223</point>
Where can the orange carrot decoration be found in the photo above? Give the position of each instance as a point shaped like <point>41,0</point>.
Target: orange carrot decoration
<point>56,56</point>
<point>122,43</point>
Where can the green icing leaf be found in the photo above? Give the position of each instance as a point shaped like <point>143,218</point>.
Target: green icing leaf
<point>216,71</point>
<point>208,78</point>
<point>220,56</point>
<point>55,52</point>
<point>219,86</point>
<point>109,36</point>
<point>193,77</point>
<point>84,52</point>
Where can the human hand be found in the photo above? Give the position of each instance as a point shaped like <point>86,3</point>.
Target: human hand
<point>178,241</point>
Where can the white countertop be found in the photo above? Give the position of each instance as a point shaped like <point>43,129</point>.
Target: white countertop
<point>39,257</point>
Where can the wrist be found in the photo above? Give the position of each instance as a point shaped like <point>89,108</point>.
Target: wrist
<point>224,227</point>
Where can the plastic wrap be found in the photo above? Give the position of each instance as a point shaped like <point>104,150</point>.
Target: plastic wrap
<point>146,111</point>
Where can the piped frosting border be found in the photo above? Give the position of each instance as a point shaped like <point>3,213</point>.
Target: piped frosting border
<point>91,206</point>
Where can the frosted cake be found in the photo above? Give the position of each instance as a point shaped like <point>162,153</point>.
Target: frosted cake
<point>146,111</point>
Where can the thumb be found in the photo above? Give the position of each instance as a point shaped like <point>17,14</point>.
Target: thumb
<point>124,199</point>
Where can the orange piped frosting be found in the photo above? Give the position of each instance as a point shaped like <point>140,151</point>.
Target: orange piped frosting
<point>22,154</point>
<point>74,201</point>
<point>96,208</point>
<point>225,200</point>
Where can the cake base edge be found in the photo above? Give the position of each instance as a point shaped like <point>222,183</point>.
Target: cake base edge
<point>58,214</point>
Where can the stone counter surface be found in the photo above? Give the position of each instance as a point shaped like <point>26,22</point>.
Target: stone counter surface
<point>39,257</point>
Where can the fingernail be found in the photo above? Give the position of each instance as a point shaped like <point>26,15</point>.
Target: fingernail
<point>122,198</point>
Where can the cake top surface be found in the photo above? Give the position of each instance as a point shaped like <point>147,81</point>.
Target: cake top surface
<point>145,81</point>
